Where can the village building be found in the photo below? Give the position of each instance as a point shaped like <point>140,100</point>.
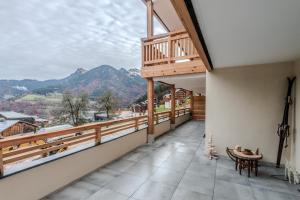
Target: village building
<point>11,115</point>
<point>180,98</point>
<point>15,127</point>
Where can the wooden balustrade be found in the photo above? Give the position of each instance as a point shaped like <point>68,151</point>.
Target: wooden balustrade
<point>168,48</point>
<point>34,146</point>
<point>162,116</point>
<point>182,111</point>
<point>170,54</point>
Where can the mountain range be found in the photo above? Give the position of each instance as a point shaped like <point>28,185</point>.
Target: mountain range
<point>128,85</point>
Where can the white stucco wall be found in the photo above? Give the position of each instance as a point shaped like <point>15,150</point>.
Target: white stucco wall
<point>39,181</point>
<point>295,153</point>
<point>244,106</point>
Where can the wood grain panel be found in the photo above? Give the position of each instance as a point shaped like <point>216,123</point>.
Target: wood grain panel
<point>199,107</point>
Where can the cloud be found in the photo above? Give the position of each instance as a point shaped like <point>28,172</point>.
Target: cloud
<point>50,39</point>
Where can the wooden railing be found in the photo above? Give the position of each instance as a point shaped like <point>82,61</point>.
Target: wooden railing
<point>34,146</point>
<point>168,48</point>
<point>166,115</point>
<point>162,116</point>
<point>181,112</point>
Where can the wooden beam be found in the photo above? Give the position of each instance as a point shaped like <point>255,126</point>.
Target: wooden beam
<point>187,22</point>
<point>149,18</point>
<point>173,104</point>
<point>164,83</point>
<point>158,17</point>
<point>1,163</point>
<point>150,97</point>
<point>190,67</point>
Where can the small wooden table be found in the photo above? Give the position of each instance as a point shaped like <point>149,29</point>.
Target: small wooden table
<point>243,160</point>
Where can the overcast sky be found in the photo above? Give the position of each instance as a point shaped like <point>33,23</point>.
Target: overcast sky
<point>43,39</point>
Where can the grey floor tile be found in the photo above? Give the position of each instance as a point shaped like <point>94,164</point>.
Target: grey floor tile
<point>100,177</point>
<point>226,163</point>
<point>150,160</point>
<point>294,189</point>
<point>197,183</point>
<point>77,191</point>
<point>175,165</point>
<point>120,165</point>
<point>185,157</point>
<point>141,170</point>
<point>264,194</point>
<point>184,194</point>
<point>269,183</point>
<point>202,170</point>
<point>151,190</point>
<point>125,184</point>
<point>233,191</point>
<point>107,194</point>
<point>166,176</point>
<point>135,156</point>
<point>231,176</point>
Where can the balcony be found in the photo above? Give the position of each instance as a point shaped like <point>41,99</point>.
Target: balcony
<point>66,155</point>
<point>170,54</point>
<point>175,168</point>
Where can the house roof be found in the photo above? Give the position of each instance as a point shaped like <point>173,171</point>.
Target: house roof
<point>14,115</point>
<point>7,123</point>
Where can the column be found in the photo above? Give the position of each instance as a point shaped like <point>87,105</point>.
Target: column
<point>173,104</point>
<point>149,18</point>
<point>150,97</point>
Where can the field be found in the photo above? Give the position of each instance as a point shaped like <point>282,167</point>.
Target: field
<point>50,98</point>
<point>161,108</point>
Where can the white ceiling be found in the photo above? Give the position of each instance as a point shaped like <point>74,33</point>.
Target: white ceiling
<point>192,82</point>
<point>166,12</point>
<point>248,32</point>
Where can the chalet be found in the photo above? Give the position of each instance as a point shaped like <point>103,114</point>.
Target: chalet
<point>40,122</point>
<point>15,127</point>
<point>180,97</point>
<point>11,115</point>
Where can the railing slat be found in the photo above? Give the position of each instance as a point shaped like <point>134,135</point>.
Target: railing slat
<point>98,135</point>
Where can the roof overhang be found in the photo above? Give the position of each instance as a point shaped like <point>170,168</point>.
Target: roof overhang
<point>239,33</point>
<point>192,82</point>
<point>166,15</point>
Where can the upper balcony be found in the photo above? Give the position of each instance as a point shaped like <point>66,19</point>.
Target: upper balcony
<point>170,54</point>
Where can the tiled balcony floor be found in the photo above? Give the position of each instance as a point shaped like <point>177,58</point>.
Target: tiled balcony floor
<point>174,167</point>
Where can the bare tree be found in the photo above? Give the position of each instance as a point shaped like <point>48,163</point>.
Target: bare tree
<point>75,107</point>
<point>106,102</point>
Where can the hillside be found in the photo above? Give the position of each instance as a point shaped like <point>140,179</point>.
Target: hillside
<point>128,85</point>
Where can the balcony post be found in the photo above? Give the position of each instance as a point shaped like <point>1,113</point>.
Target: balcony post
<point>136,124</point>
<point>149,18</point>
<point>150,97</point>
<point>1,162</point>
<point>173,105</point>
<point>98,135</point>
